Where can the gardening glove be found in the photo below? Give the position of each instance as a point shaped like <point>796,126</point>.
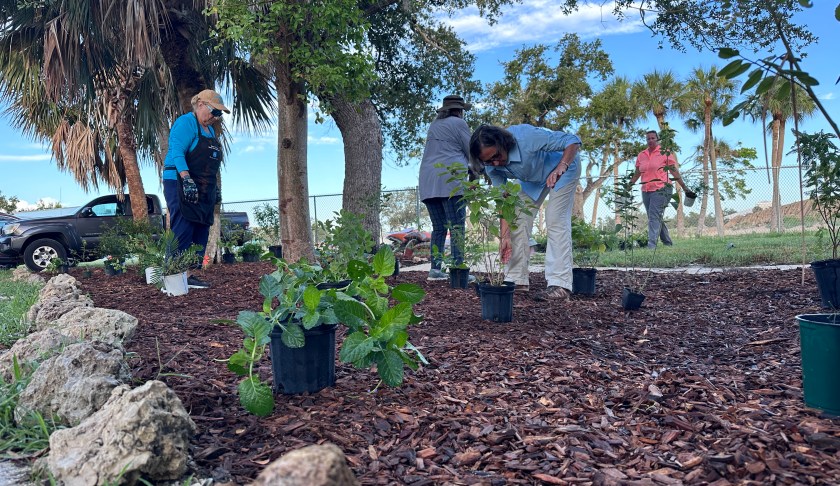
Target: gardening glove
<point>218,195</point>
<point>190,190</point>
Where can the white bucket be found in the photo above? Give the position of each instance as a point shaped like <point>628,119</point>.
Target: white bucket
<point>150,275</point>
<point>175,285</point>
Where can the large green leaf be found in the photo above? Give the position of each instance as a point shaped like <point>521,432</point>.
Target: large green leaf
<point>351,312</point>
<point>256,397</point>
<point>355,347</point>
<point>238,363</point>
<point>383,262</point>
<point>311,298</point>
<point>251,322</point>
<point>728,70</point>
<point>726,52</point>
<point>311,319</point>
<point>358,270</point>
<point>293,335</point>
<point>409,293</point>
<point>270,287</point>
<point>390,367</point>
<point>752,80</point>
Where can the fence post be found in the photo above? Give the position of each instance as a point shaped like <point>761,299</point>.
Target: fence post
<point>315,210</point>
<point>417,205</point>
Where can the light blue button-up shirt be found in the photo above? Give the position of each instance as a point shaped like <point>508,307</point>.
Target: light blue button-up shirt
<point>537,152</point>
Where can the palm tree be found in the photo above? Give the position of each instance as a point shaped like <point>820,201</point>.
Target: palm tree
<point>778,103</point>
<point>613,112</point>
<point>708,97</point>
<point>103,87</point>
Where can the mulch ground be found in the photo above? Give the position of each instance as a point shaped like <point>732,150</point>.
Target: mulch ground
<point>701,386</point>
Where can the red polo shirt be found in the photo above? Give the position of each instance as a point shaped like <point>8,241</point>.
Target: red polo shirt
<point>652,168</point>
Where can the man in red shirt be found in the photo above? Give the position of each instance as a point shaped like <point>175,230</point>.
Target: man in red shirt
<point>653,167</point>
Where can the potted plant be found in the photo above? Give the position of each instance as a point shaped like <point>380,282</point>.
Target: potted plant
<point>625,206</point>
<point>821,160</point>
<point>268,220</point>
<point>114,248</point>
<point>588,243</point>
<point>297,321</point>
<point>486,207</point>
<point>378,319</point>
<point>472,253</point>
<point>251,251</point>
<point>230,236</point>
<point>345,239</point>
<point>169,265</point>
<point>57,266</point>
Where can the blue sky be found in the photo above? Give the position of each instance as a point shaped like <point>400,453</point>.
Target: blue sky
<point>250,170</point>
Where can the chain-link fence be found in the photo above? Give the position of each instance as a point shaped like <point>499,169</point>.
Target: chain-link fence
<point>401,209</point>
<point>746,205</point>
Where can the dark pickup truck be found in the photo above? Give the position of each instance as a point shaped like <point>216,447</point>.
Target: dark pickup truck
<point>38,240</point>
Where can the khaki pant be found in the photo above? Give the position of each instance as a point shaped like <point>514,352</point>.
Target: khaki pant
<point>558,254</point>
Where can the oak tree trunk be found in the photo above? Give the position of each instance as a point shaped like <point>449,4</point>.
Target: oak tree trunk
<point>292,176</point>
<point>363,142</point>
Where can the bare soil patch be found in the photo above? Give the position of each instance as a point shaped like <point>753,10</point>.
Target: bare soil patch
<point>701,386</point>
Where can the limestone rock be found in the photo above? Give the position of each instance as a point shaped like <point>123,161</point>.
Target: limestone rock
<point>32,349</point>
<point>59,296</point>
<point>143,432</point>
<point>74,384</point>
<point>316,465</point>
<point>94,323</point>
<point>22,274</point>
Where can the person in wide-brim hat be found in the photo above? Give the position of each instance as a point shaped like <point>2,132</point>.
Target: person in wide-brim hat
<point>453,102</point>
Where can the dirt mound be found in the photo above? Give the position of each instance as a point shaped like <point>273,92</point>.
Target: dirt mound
<point>761,218</point>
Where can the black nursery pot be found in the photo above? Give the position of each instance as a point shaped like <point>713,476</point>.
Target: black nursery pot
<point>459,278</point>
<point>497,302</point>
<point>583,281</point>
<point>631,300</point>
<point>228,258</point>
<point>307,369</point>
<point>276,250</point>
<point>827,274</point>
<point>341,284</point>
<point>396,267</point>
<point>111,270</point>
<point>250,257</point>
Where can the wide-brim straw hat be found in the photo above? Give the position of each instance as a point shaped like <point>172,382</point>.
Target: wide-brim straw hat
<point>454,101</point>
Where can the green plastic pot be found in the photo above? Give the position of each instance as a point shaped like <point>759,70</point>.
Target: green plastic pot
<point>820,344</point>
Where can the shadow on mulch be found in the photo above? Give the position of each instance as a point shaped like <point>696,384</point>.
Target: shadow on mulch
<point>702,385</point>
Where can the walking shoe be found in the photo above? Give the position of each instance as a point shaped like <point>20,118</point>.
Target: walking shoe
<point>195,283</point>
<point>435,274</point>
<point>553,292</point>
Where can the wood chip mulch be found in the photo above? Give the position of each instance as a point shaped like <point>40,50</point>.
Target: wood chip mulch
<point>701,386</point>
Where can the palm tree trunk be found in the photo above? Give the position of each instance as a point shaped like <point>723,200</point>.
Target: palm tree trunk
<point>292,176</point>
<point>359,123</point>
<point>707,142</point>
<point>128,154</point>
<point>776,160</point>
<point>615,178</point>
<point>716,190</point>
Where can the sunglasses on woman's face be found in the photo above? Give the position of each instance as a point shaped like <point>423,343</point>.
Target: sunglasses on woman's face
<point>214,111</point>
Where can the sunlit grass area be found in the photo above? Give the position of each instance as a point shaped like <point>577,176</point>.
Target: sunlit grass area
<point>15,300</point>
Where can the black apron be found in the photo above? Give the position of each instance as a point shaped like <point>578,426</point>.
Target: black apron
<point>203,163</point>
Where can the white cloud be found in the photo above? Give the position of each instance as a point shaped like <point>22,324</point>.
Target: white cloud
<point>44,201</point>
<point>538,21</point>
<point>25,158</point>
<point>828,96</point>
<point>323,140</point>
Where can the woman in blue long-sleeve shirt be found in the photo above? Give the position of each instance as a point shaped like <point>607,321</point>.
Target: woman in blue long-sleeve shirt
<point>189,173</point>
<point>546,164</point>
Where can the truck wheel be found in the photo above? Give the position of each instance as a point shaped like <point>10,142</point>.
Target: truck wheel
<point>38,254</point>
